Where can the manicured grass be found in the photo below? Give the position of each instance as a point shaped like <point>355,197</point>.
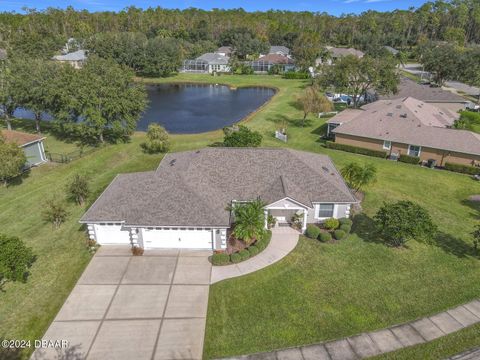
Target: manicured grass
<point>441,348</point>
<point>320,291</point>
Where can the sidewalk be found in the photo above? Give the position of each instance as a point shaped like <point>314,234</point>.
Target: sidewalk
<point>284,240</point>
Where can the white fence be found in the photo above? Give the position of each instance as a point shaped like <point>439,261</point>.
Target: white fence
<point>281,136</point>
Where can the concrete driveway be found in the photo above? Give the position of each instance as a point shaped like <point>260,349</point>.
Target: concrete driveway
<point>135,307</point>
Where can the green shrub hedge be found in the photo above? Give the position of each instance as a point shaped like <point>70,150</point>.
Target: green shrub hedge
<point>244,254</point>
<point>312,231</point>
<point>339,234</point>
<point>220,259</point>
<point>355,149</point>
<point>325,237</point>
<point>253,250</point>
<point>295,75</point>
<point>345,227</point>
<point>464,169</point>
<point>235,258</point>
<point>409,159</point>
<point>345,221</point>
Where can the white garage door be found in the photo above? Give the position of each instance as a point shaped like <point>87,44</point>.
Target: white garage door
<point>111,234</point>
<point>177,238</point>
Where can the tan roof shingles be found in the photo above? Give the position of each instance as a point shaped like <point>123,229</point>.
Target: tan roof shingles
<point>194,188</point>
<point>20,138</point>
<point>422,125</point>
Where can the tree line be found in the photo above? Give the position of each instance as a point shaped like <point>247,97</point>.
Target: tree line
<point>186,33</point>
<point>98,101</point>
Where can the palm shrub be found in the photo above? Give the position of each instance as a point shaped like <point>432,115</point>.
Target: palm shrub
<point>15,259</point>
<point>331,224</point>
<point>249,221</point>
<point>157,140</point>
<point>402,221</point>
<point>357,176</point>
<point>55,212</point>
<point>78,189</point>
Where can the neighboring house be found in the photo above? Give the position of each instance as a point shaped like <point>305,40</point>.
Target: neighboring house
<point>337,53</point>
<point>31,144</point>
<point>225,51</point>
<point>77,59</point>
<point>264,63</point>
<point>183,204</point>
<point>3,54</point>
<point>407,126</point>
<point>207,63</point>
<point>435,96</point>
<point>391,50</point>
<point>279,50</point>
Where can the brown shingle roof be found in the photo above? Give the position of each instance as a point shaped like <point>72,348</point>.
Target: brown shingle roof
<point>410,121</point>
<point>194,188</point>
<point>426,93</point>
<point>20,138</point>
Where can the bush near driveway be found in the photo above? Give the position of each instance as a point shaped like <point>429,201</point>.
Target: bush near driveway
<point>235,258</point>
<point>325,237</point>
<point>339,234</point>
<point>220,259</point>
<point>331,224</point>
<point>312,231</point>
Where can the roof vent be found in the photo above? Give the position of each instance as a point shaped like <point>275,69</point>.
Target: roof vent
<point>172,162</point>
<point>403,116</point>
<point>325,169</point>
<point>390,114</point>
<point>398,106</point>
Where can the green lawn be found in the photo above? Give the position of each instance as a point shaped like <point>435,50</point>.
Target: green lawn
<point>319,292</point>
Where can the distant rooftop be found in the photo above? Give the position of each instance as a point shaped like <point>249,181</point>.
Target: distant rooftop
<point>276,59</point>
<point>214,58</point>
<point>274,49</point>
<point>341,52</point>
<point>79,55</point>
<point>20,138</point>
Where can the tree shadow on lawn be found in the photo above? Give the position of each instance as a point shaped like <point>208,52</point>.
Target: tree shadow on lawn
<point>475,205</point>
<point>364,227</point>
<point>10,354</point>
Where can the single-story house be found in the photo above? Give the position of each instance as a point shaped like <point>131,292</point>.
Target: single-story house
<point>279,50</point>
<point>3,54</point>
<point>265,62</point>
<point>435,96</point>
<point>76,58</point>
<point>32,145</point>
<point>407,127</point>
<point>225,51</point>
<point>336,53</point>
<point>207,63</point>
<point>184,202</point>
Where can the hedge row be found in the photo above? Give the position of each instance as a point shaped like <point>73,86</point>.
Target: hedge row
<point>295,75</point>
<point>355,149</point>
<point>242,255</point>
<point>339,231</point>
<point>409,159</point>
<point>464,169</point>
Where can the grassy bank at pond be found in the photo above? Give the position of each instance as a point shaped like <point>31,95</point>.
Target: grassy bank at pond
<point>320,291</point>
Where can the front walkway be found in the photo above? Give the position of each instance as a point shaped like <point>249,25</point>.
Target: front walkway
<point>284,240</point>
<point>382,341</point>
<point>135,307</point>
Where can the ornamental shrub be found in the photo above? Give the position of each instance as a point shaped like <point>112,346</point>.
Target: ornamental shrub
<point>15,259</point>
<point>345,221</point>
<point>235,258</point>
<point>464,169</point>
<point>325,237</point>
<point>312,231</point>
<point>244,254</point>
<point>331,224</point>
<point>220,259</point>
<point>346,228</point>
<point>409,159</point>
<point>339,234</point>
<point>157,140</point>
<point>355,149</point>
<point>253,250</point>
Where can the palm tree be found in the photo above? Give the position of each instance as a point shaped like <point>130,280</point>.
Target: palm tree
<point>357,177</point>
<point>249,221</point>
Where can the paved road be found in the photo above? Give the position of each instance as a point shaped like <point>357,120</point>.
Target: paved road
<point>416,69</point>
<point>135,307</point>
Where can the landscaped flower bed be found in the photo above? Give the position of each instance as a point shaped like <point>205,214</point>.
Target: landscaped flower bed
<point>330,229</point>
<point>258,246</point>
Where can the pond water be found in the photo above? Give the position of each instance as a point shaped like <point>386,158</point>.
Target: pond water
<point>193,108</point>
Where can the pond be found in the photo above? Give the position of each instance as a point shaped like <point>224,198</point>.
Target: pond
<point>194,108</point>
